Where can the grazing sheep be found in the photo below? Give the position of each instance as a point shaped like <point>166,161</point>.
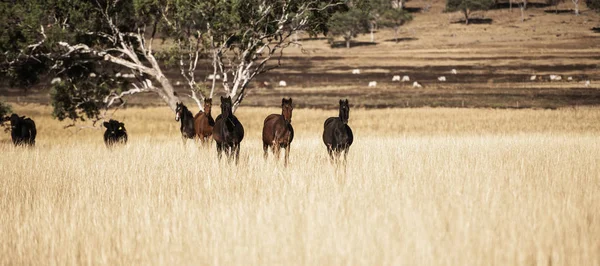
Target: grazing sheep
<point>417,85</point>
<point>215,77</point>
<point>55,80</point>
<point>555,77</point>
<point>570,78</point>
<point>396,78</point>
<point>282,83</point>
<point>442,78</point>
<point>118,75</point>
<point>587,83</point>
<point>356,71</point>
<point>405,78</point>
<point>453,71</point>
<point>373,84</point>
<point>128,76</point>
<point>532,78</point>
<point>92,75</point>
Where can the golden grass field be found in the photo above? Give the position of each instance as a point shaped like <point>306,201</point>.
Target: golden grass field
<point>422,186</point>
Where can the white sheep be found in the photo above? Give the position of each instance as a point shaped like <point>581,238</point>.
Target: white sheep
<point>442,78</point>
<point>356,71</point>
<point>373,84</point>
<point>417,85</point>
<point>118,75</point>
<point>453,71</point>
<point>177,83</point>
<point>587,83</point>
<point>532,78</point>
<point>396,78</point>
<point>405,78</point>
<point>282,83</point>
<point>555,77</point>
<point>55,80</point>
<point>570,78</point>
<point>92,75</point>
<point>215,77</point>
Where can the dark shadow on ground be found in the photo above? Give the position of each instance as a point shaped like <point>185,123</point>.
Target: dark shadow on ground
<point>403,39</point>
<point>342,44</point>
<point>413,9</point>
<point>312,39</point>
<point>506,5</point>
<point>560,11</point>
<point>596,29</point>
<point>475,21</point>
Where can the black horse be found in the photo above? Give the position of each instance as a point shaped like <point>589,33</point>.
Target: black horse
<point>228,132</point>
<point>22,130</point>
<point>337,135</point>
<point>187,122</point>
<point>115,133</point>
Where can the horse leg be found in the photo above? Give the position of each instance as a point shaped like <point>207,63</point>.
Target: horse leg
<point>276,148</point>
<point>330,151</point>
<point>346,150</point>
<point>266,150</point>
<point>287,154</point>
<point>219,150</point>
<point>237,153</point>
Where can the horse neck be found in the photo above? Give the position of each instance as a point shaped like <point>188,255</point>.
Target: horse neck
<point>186,115</point>
<point>287,117</point>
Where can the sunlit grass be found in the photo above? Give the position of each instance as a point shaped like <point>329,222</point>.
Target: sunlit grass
<point>421,187</point>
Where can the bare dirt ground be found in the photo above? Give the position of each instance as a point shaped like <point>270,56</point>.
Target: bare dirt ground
<point>494,57</point>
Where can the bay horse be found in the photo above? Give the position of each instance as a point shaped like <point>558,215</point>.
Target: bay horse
<point>187,122</point>
<point>204,122</point>
<point>337,135</point>
<point>278,131</point>
<point>228,132</point>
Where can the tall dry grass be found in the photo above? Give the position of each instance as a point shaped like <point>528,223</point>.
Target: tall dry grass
<point>422,187</point>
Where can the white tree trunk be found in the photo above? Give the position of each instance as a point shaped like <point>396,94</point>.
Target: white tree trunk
<point>576,2</point>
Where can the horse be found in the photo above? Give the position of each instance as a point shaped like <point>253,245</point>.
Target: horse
<point>337,135</point>
<point>228,132</point>
<point>187,122</point>
<point>278,131</point>
<point>115,133</point>
<point>204,122</point>
<point>22,130</point>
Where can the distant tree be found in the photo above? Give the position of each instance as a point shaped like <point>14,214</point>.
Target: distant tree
<point>468,6</point>
<point>5,109</point>
<point>554,3</point>
<point>576,2</point>
<point>593,4</point>
<point>348,24</point>
<point>395,18</point>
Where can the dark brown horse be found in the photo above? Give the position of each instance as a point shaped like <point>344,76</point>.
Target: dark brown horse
<point>278,131</point>
<point>204,123</point>
<point>228,132</point>
<point>337,135</point>
<point>187,122</point>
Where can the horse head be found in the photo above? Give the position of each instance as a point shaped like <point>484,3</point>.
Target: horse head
<point>226,107</point>
<point>344,111</point>
<point>286,109</point>
<point>179,111</point>
<point>207,105</point>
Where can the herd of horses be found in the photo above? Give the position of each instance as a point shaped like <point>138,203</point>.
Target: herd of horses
<point>226,130</point>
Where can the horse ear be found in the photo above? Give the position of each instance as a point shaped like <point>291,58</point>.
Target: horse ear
<point>341,101</point>
<point>283,101</point>
<point>346,101</point>
<point>209,100</point>
<point>290,100</point>
<point>105,124</point>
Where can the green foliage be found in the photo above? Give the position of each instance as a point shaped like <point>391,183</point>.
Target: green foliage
<point>348,24</point>
<point>5,109</point>
<point>468,6</point>
<point>394,17</point>
<point>593,4</point>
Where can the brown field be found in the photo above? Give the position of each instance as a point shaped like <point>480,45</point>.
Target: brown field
<point>427,186</point>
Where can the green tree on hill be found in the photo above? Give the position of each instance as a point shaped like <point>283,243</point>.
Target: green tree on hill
<point>468,6</point>
<point>395,18</point>
<point>593,4</point>
<point>348,24</point>
<point>91,45</point>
